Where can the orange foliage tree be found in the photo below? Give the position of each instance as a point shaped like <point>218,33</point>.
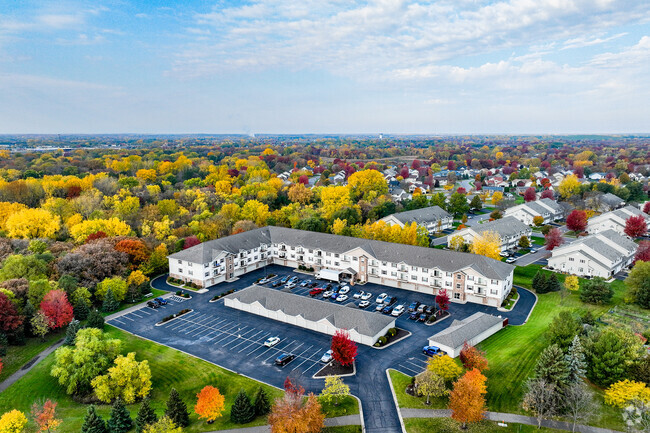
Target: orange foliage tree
<point>292,414</point>
<point>471,358</point>
<point>467,399</point>
<point>45,416</point>
<point>136,249</point>
<point>210,403</point>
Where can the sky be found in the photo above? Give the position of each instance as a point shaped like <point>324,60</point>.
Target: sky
<point>325,66</point>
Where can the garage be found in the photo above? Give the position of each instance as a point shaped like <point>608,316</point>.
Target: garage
<point>473,329</point>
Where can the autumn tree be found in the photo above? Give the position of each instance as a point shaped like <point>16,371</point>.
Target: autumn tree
<point>116,284</point>
<point>10,320</point>
<point>445,367</point>
<point>538,220</point>
<point>45,416</point>
<point>128,379</point>
<point>553,239</point>
<point>442,299</point>
<point>488,244</point>
<point>176,409</point>
<point>530,194</point>
<point>367,185</point>
<point>293,414</point>
<point>571,283</point>
<point>643,252</point>
<point>163,425</point>
<point>577,221</point>
<point>467,399</point>
<point>40,325</point>
<point>32,224</point>
<point>497,197</point>
<point>471,358</point>
<point>111,227</point>
<point>13,421</point>
<point>635,226</point>
<point>430,384</point>
<point>334,389</point>
<point>136,250</point>
<point>569,186</point>
<point>56,307</point>
<point>540,399</point>
<point>334,198</point>
<point>344,350</point>
<point>210,403</point>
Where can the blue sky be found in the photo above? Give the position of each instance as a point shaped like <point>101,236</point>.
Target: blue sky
<point>325,66</point>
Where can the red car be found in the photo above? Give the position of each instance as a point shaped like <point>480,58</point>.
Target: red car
<point>316,291</point>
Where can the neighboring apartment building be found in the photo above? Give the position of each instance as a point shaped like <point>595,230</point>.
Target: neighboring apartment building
<point>509,229</point>
<point>598,255</point>
<point>466,277</point>
<point>433,218</point>
<point>546,208</point>
<point>614,220</point>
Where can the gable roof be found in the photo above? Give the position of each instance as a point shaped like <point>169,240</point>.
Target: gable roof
<point>598,243</point>
<point>464,330</point>
<point>421,216</point>
<point>340,316</point>
<point>506,226</point>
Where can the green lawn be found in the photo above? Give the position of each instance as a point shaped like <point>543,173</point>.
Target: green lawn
<point>347,406</point>
<point>342,429</point>
<point>17,356</point>
<point>400,382</point>
<point>448,425</point>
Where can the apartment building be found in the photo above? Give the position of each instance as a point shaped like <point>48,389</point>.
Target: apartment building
<point>614,220</point>
<point>546,208</point>
<point>509,229</point>
<point>433,218</point>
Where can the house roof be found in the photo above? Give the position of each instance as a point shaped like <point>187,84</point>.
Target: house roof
<point>536,208</point>
<point>340,316</point>
<point>611,200</point>
<point>464,330</point>
<point>422,216</point>
<point>506,226</point>
<point>598,244</point>
<point>448,261</point>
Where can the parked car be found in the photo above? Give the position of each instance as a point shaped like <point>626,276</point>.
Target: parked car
<point>272,341</point>
<point>329,286</point>
<point>414,315</point>
<point>390,300</point>
<point>277,283</point>
<point>414,306</point>
<point>364,304</point>
<point>431,350</point>
<point>381,298</point>
<point>430,309</point>
<point>305,283</point>
<point>284,359</point>
<point>334,295</point>
<point>358,294</point>
<point>327,356</point>
<point>366,296</point>
<point>388,309</point>
<point>379,307</point>
<point>511,260</point>
<point>152,304</point>
<point>327,294</point>
<point>344,289</point>
<point>264,280</point>
<point>397,310</point>
<point>290,285</point>
<point>421,308</point>
<point>423,317</point>
<point>504,254</point>
<point>293,279</point>
<point>533,250</point>
<point>312,285</point>
<point>341,298</point>
<point>161,301</point>
<point>316,291</point>
<point>284,279</point>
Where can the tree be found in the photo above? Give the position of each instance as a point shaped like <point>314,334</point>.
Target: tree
<point>10,320</point>
<point>643,252</point>
<point>91,355</point>
<point>45,416</point>
<point>553,239</point>
<point>578,402</point>
<point>367,184</point>
<point>117,285</point>
<point>344,350</point>
<point>467,399</point>
<point>127,380</point>
<point>334,198</point>
<point>457,243</point>
<point>40,325</point>
<point>95,320</point>
<point>299,193</point>
<point>458,204</point>
<point>540,282</point>
<point>538,220</point>
<point>242,410</point>
<point>524,242</point>
<point>56,307</point>
<point>334,389</point>
<point>20,266</point>
<point>442,299</point>
<point>496,214</point>
<point>112,227</point>
<point>637,281</point>
<point>497,196</point>
<point>577,221</point>
<point>120,420</point>
<point>445,367</point>
<point>38,289</point>
<point>93,423</point>
<point>71,333</point>
<point>553,367</point>
<point>471,358</point>
<point>136,250</point>
<point>609,354</point>
<point>163,425</point>
<point>32,224</point>
<point>488,244</point>
<point>93,262</point>
<point>571,283</point>
<point>262,404</point>
<point>13,421</point>
<point>540,399</point>
<point>621,393</point>
<point>596,291</point>
<point>177,410</point>
<point>635,226</point>
<point>530,194</point>
<point>292,414</point>
<point>110,303</point>
<point>636,416</point>
<point>146,416</point>
<point>81,310</point>
<point>476,203</point>
<point>430,384</point>
<point>569,186</point>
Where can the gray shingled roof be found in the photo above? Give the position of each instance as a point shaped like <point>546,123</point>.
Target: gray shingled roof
<point>625,215</point>
<point>611,200</point>
<point>506,226</point>
<point>422,216</point>
<point>447,261</point>
<point>340,316</point>
<point>595,243</point>
<point>464,330</point>
<point>552,203</point>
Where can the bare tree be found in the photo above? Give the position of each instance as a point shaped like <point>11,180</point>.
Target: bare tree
<point>579,403</point>
<point>540,399</point>
<point>637,416</point>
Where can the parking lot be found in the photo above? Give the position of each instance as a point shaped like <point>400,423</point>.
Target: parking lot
<point>235,339</point>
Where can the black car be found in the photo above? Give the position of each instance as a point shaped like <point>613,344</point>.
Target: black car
<point>387,309</point>
<point>430,309</point>
<point>152,304</point>
<point>284,359</point>
<point>390,300</point>
<point>277,283</point>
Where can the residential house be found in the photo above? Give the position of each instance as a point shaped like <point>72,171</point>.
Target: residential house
<point>614,220</point>
<point>432,218</point>
<point>548,209</point>
<point>509,229</point>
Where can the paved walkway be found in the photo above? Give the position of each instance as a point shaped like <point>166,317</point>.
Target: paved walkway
<point>329,422</point>
<point>506,417</point>
<point>24,370</point>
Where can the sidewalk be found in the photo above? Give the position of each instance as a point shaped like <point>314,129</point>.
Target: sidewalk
<point>24,370</point>
<point>329,422</point>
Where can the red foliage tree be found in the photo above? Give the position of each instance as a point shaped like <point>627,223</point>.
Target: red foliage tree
<point>73,191</point>
<point>530,194</point>
<point>547,193</point>
<point>94,236</point>
<point>471,358</point>
<point>577,221</point>
<point>643,252</point>
<point>553,239</point>
<point>451,165</point>
<point>344,350</point>
<point>646,207</point>
<point>415,165</point>
<point>9,317</point>
<point>292,388</point>
<point>635,226</point>
<point>442,299</point>
<point>56,307</point>
<point>190,241</point>
<point>136,249</point>
<point>303,179</point>
<point>461,190</point>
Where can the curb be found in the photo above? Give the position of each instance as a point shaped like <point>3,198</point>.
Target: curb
<point>392,391</point>
<point>174,318</point>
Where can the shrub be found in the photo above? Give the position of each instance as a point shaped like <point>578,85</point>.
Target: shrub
<point>392,332</point>
<point>381,341</point>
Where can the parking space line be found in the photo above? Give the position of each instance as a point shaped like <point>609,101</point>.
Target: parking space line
<point>210,328</point>
<point>239,336</point>
<point>201,323</point>
<point>248,338</point>
<point>144,311</point>
<point>412,363</point>
<point>126,316</point>
<point>116,320</point>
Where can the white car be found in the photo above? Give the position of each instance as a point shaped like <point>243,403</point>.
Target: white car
<point>265,280</point>
<point>358,294</point>
<point>272,341</point>
<point>341,298</point>
<point>366,296</point>
<point>290,285</point>
<point>327,294</point>
<point>381,298</point>
<point>364,304</point>
<point>379,307</point>
<point>327,357</point>
<point>533,250</point>
<point>344,290</point>
<point>397,310</point>
<point>511,260</point>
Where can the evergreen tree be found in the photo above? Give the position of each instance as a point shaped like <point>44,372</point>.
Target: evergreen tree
<point>96,320</point>
<point>539,282</point>
<point>262,404</point>
<point>146,416</point>
<point>596,291</point>
<point>575,359</point>
<point>177,410</point>
<point>71,332</point>
<point>81,309</point>
<point>553,284</point>
<point>28,312</point>
<point>93,423</point>
<point>120,421</point>
<point>110,303</point>
<point>553,367</point>
<point>242,410</point>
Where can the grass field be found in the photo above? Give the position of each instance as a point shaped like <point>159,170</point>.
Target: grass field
<point>400,382</point>
<point>447,425</point>
<point>170,369</point>
<point>17,356</point>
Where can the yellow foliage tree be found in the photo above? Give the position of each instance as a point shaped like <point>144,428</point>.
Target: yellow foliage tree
<point>571,283</point>
<point>255,211</point>
<point>148,175</point>
<point>445,367</point>
<point>497,197</point>
<point>488,244</point>
<point>338,226</point>
<point>32,224</point>
<point>569,186</point>
<point>456,243</point>
<point>13,421</point>
<point>621,393</point>
<point>127,379</point>
<point>334,198</point>
<point>299,193</point>
<point>7,209</point>
<point>110,226</point>
<point>163,425</point>
<point>136,278</point>
<point>230,211</point>
<point>367,184</point>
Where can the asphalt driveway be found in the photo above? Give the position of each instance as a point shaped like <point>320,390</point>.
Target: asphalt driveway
<point>234,340</point>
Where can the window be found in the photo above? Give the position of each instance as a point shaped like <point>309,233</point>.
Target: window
<point>456,295</point>
<point>394,265</point>
<point>582,261</point>
<point>190,272</point>
<point>355,259</point>
<point>336,264</point>
<point>571,259</point>
<point>449,274</point>
<point>414,268</point>
<point>425,279</point>
<point>458,277</point>
<point>393,274</point>
<point>207,274</point>
<point>180,262</point>
<point>205,265</point>
<point>383,272</point>
<point>414,277</point>
<point>458,286</point>
<point>336,255</point>
<point>383,263</point>
<point>447,283</point>
<point>493,292</point>
<point>579,269</point>
<point>471,278</point>
<point>493,281</point>
<point>180,271</point>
